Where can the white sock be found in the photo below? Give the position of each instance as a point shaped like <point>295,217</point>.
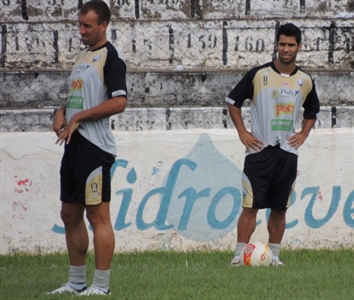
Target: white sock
<point>77,277</point>
<point>275,249</point>
<point>239,247</point>
<point>101,279</point>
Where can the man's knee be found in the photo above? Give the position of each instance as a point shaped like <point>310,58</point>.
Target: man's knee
<point>71,213</point>
<point>249,212</point>
<point>278,213</point>
<point>98,216</point>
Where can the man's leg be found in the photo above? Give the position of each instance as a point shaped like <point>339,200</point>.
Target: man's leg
<point>103,236</point>
<point>77,243</point>
<point>276,226</point>
<point>77,239</point>
<point>276,229</point>
<point>104,243</point>
<point>245,227</point>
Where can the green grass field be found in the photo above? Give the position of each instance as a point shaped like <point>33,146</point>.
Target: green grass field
<point>308,274</point>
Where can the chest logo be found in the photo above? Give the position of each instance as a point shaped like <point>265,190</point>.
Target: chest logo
<point>282,109</point>
<point>274,94</point>
<point>300,82</point>
<point>76,85</point>
<point>96,58</point>
<point>80,68</point>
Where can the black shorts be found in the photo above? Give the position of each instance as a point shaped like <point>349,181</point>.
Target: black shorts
<point>269,178</point>
<point>85,172</point>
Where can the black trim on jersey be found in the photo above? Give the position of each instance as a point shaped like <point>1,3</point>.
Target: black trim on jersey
<point>272,65</point>
<point>244,89</point>
<point>114,71</point>
<point>103,46</point>
<point>312,104</point>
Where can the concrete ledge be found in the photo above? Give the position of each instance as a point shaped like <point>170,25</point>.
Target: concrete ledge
<point>187,88</point>
<point>138,119</point>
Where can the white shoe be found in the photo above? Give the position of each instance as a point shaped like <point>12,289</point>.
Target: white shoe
<point>94,290</point>
<point>277,262</point>
<point>66,288</point>
<point>236,262</point>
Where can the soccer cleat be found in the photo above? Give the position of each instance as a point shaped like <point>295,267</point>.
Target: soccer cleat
<point>66,288</point>
<point>94,290</point>
<point>236,262</point>
<point>277,263</point>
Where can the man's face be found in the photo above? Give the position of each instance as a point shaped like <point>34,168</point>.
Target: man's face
<point>91,33</point>
<point>287,49</point>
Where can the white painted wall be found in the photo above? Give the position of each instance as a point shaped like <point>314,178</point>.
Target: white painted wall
<point>322,214</point>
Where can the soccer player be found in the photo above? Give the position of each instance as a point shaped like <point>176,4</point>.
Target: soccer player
<point>277,90</point>
<point>97,90</point>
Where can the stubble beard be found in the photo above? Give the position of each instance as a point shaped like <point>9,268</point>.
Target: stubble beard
<point>287,62</point>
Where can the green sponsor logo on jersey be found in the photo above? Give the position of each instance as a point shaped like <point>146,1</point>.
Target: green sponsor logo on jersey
<point>75,102</point>
<point>283,125</point>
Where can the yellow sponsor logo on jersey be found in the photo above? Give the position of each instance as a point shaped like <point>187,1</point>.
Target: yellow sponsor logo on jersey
<point>281,109</point>
<point>76,85</point>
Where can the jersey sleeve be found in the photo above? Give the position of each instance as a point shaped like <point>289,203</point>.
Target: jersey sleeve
<point>242,91</point>
<point>311,104</point>
<point>115,74</point>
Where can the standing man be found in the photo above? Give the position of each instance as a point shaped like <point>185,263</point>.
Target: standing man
<point>276,90</point>
<point>97,91</point>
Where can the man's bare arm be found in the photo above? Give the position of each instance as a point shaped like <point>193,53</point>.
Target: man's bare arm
<point>104,110</point>
<point>246,137</point>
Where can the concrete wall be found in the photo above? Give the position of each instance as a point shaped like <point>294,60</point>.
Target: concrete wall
<point>43,89</point>
<point>167,44</point>
<point>167,33</point>
<point>174,118</point>
<point>177,190</point>
<point>179,53</point>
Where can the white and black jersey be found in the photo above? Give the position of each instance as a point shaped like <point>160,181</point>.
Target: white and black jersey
<point>96,77</point>
<point>276,101</point>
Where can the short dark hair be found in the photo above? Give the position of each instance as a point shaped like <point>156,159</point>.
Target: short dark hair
<point>289,29</point>
<point>100,8</point>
